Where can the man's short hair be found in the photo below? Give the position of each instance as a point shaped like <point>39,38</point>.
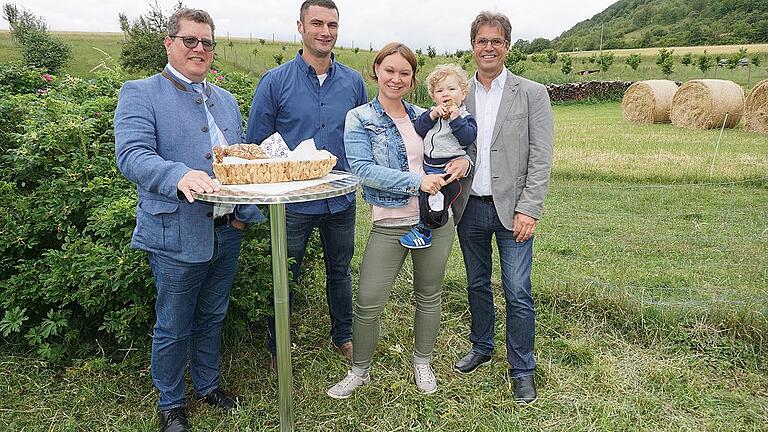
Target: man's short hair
<point>195,15</point>
<point>442,71</point>
<point>328,4</point>
<point>493,19</point>
<point>396,48</point>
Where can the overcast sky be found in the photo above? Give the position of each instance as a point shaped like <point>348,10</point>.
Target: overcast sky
<point>443,24</point>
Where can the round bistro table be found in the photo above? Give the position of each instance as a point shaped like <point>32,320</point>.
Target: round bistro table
<point>229,195</point>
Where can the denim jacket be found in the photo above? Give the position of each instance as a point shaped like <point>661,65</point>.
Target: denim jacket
<point>376,153</point>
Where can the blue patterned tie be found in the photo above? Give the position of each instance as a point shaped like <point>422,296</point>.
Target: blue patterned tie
<point>217,139</point>
<point>213,130</point>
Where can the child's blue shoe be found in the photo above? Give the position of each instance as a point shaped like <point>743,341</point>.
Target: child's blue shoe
<point>419,237</point>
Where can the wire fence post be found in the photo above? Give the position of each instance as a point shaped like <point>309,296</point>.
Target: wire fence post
<point>717,147</point>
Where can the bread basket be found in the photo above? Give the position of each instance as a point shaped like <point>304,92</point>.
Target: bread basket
<point>272,170</point>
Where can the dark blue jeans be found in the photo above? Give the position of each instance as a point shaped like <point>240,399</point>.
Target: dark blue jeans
<point>192,300</point>
<point>479,223</point>
<point>337,234</point>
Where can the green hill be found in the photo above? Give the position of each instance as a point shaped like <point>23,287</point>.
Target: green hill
<point>654,23</point>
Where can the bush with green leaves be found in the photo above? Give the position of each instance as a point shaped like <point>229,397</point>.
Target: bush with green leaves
<point>705,62</point>
<point>605,61</point>
<point>551,55</point>
<point>567,64</point>
<point>665,62</point>
<point>69,276</point>
<point>38,48</point>
<point>633,61</point>
<point>143,48</point>
<point>515,61</point>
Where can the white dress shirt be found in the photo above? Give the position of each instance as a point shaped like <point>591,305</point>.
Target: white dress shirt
<point>487,104</point>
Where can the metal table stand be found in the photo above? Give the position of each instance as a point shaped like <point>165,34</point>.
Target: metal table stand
<point>276,203</point>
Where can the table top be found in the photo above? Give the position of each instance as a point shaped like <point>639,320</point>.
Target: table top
<point>340,186</point>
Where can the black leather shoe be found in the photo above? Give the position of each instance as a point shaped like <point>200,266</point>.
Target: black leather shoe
<point>470,362</point>
<point>174,420</point>
<point>525,389</point>
<point>220,398</point>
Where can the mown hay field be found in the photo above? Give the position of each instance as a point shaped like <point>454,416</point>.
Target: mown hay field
<point>650,278</point>
<point>651,283</point>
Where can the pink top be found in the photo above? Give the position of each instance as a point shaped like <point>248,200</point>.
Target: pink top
<point>414,147</point>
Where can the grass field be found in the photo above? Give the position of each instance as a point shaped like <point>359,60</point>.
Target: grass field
<point>240,56</point>
<point>650,279</point>
<point>712,49</point>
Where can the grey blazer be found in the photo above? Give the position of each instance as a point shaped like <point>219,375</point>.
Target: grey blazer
<point>521,151</point>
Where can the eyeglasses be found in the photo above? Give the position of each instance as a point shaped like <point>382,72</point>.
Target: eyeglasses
<point>191,42</point>
<point>496,43</point>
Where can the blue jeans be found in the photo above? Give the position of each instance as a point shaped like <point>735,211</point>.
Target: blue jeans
<point>192,300</point>
<point>337,234</point>
<point>478,224</point>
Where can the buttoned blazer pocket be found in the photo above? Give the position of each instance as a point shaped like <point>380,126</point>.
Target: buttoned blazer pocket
<point>517,116</point>
<point>158,225</point>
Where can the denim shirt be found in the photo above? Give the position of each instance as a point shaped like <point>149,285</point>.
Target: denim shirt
<point>376,153</point>
<point>289,99</point>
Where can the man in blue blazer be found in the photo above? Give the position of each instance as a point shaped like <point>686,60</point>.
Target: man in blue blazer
<point>165,128</point>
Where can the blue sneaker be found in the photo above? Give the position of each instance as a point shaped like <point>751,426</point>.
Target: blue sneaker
<point>419,237</point>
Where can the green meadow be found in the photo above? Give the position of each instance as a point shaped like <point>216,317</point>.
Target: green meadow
<point>650,277</point>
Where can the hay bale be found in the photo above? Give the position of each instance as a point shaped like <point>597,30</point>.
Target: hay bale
<point>648,101</point>
<point>702,104</point>
<point>756,108</point>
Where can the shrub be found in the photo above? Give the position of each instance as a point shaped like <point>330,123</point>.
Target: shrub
<point>39,49</point>
<point>69,276</point>
<point>633,60</point>
<point>567,62</point>
<point>705,62</point>
<point>605,61</point>
<point>143,48</point>
<point>665,62</point>
<point>551,55</point>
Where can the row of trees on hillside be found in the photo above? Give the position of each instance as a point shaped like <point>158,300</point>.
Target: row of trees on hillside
<point>651,23</point>
<point>603,62</point>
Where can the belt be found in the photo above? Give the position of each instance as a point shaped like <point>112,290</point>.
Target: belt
<point>483,198</point>
<point>223,220</point>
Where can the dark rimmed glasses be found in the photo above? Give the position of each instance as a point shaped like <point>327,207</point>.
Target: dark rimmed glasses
<point>496,43</point>
<point>191,42</point>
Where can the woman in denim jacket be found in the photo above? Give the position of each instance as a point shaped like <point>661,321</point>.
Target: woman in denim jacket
<point>384,150</point>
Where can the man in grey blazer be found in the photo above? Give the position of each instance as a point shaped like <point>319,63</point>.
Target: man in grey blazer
<point>165,127</point>
<point>503,196</point>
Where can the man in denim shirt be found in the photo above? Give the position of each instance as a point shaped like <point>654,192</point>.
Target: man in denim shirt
<point>309,97</point>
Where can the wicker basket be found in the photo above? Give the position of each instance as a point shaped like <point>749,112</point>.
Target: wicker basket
<point>273,171</point>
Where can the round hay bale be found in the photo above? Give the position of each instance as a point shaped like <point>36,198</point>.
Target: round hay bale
<point>702,104</point>
<point>648,101</point>
<point>756,108</point>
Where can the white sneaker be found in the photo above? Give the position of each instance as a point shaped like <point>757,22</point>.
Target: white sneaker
<point>344,388</point>
<point>425,378</point>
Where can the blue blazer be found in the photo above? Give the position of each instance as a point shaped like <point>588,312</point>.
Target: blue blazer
<point>161,133</point>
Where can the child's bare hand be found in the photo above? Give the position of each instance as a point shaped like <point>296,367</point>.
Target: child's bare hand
<point>453,112</point>
<point>437,112</point>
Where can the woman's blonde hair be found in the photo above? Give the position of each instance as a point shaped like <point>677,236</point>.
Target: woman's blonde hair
<point>442,71</point>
